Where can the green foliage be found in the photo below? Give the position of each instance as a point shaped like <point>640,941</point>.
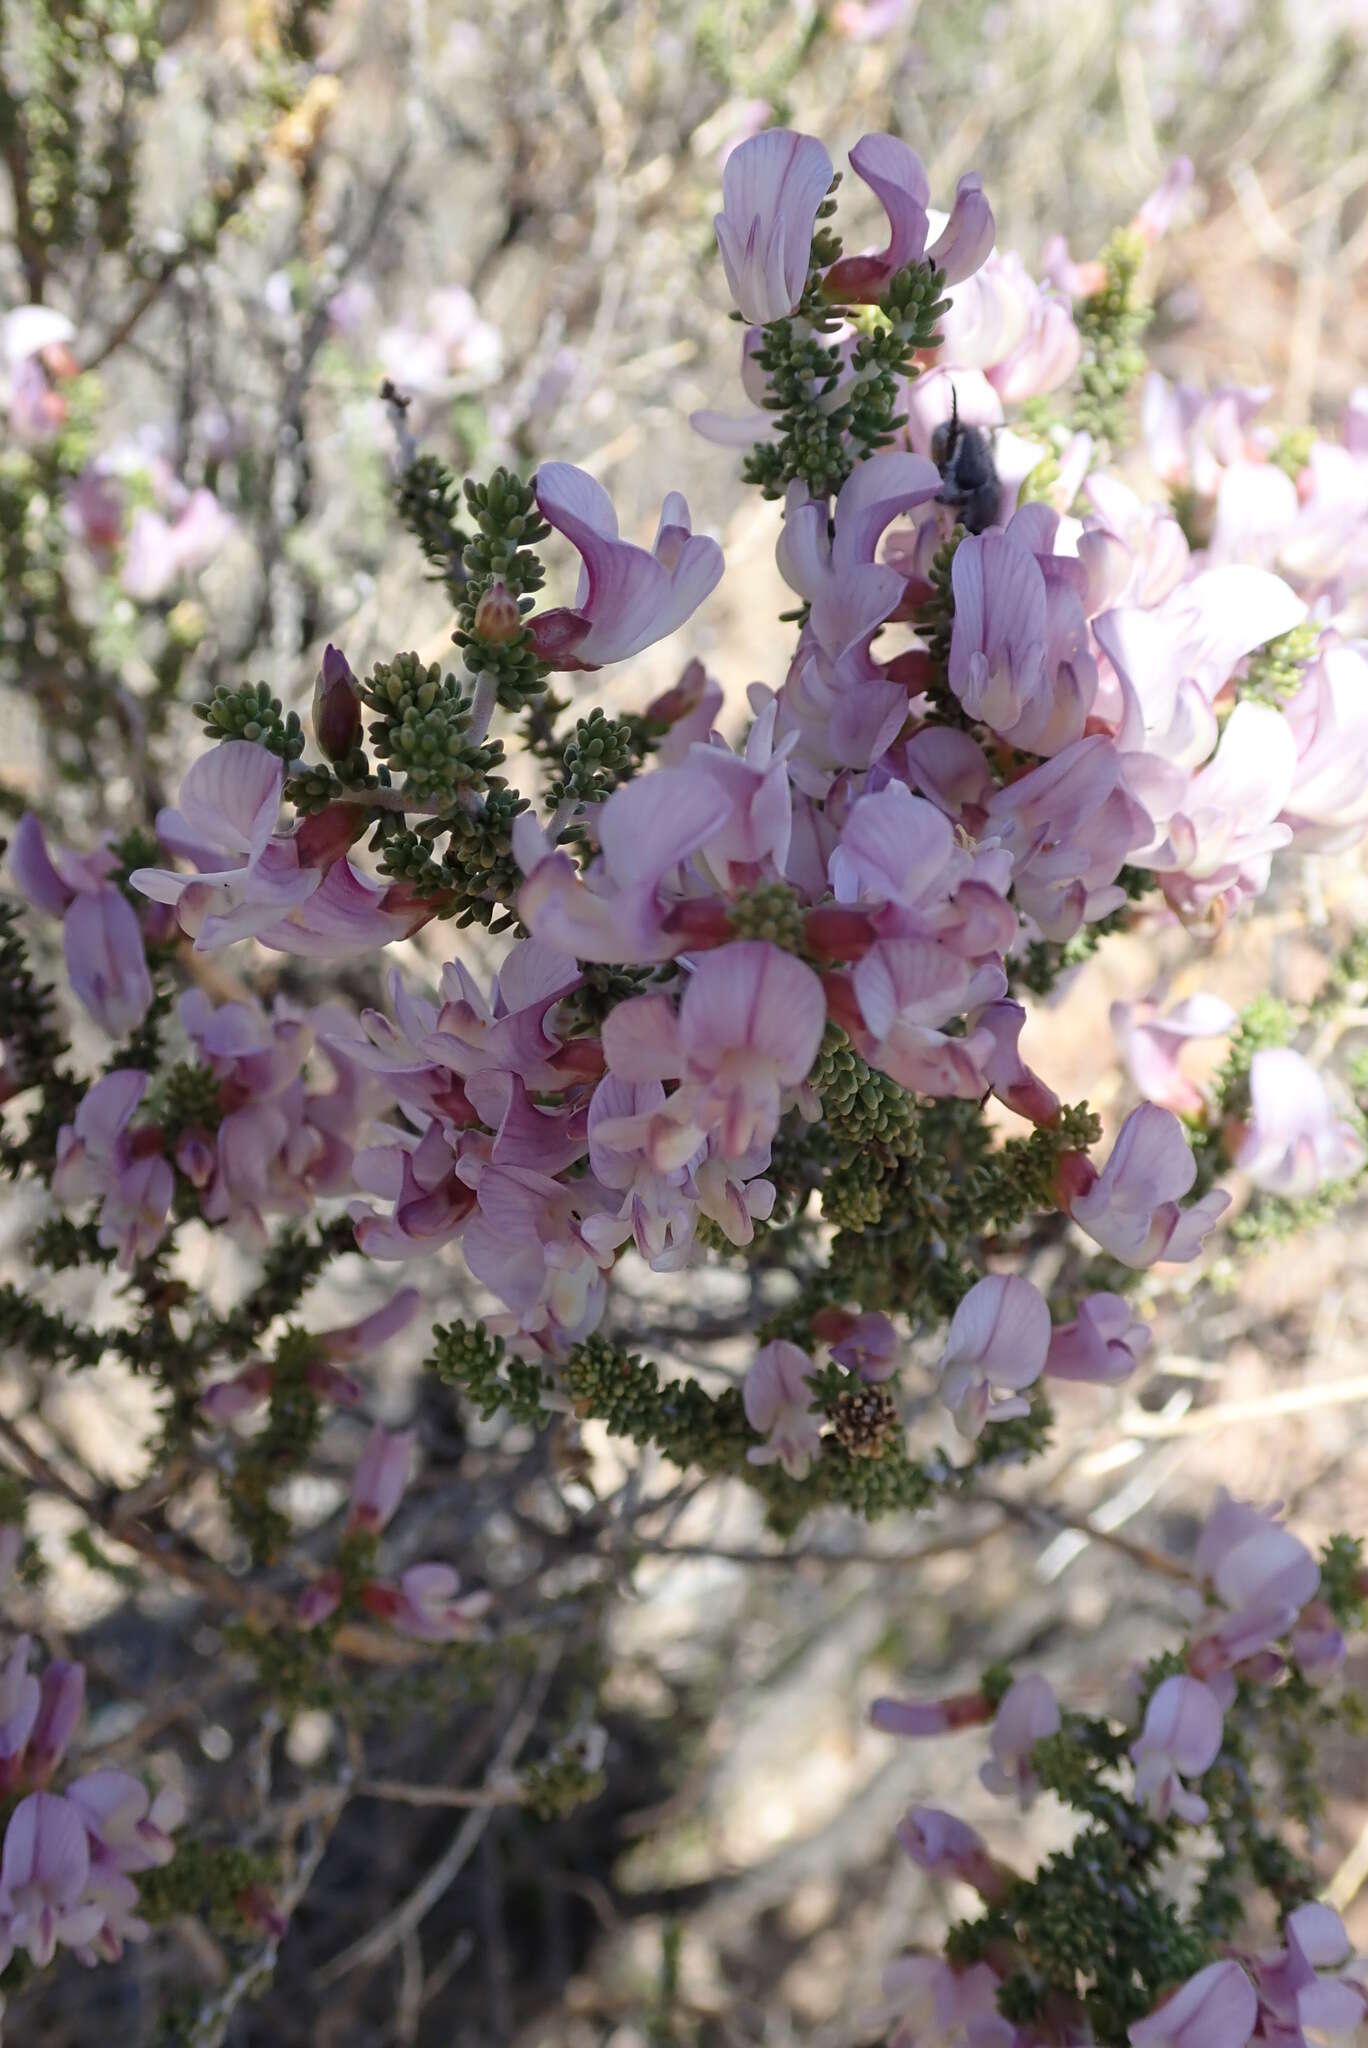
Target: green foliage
<point>251,712</point>
<point>1111,322</point>
<point>1277,670</point>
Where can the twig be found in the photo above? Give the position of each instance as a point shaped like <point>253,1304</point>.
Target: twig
<point>396,1926</point>
<point>1033,1512</point>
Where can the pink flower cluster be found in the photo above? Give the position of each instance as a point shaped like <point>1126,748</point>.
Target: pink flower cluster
<point>1259,1614</point>
<point>70,1858</point>
<point>425,1602</point>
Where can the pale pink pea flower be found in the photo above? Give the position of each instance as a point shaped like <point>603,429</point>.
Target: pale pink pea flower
<point>1215,2009</point>
<point>778,1404</point>
<point>1104,1343</point>
<point>748,1027</point>
<point>999,1337</point>
<point>1027,1713</point>
<point>772,186</point>
<point>1181,1739</point>
<point>44,1873</point>
<point>628,596</point>
<point>1132,1207</point>
<point>1151,1042</point>
<point>897,178</point>
<point>380,1477</point>
<point>1296,1141</point>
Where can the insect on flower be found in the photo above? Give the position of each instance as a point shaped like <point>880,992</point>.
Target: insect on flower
<point>969,478</point>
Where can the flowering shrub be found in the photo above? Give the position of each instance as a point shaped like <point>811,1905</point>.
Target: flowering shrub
<point>759,1008</point>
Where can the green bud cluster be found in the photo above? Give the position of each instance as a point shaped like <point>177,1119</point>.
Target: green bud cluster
<point>476,876</point>
<point>885,355</point>
<point>1277,670</point>
<point>294,1419</point>
<point>466,1356</point>
<point>562,1782</point>
<point>1018,1178</point>
<point>211,1879</point>
<point>1292,450</point>
<point>422,719</point>
<point>508,528</point>
<point>249,711</point>
<point>602,753</point>
<point>603,987</point>
<point>773,911</point>
<point>33,1048</point>
<point>1111,322</point>
<point>860,1105</point>
<point>428,496</point>
<point>44,1335</point>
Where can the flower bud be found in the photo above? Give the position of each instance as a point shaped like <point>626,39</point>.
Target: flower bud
<point>497,618</point>
<point>62,1695</point>
<point>336,706</point>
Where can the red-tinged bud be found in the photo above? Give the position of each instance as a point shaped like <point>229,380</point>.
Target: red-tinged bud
<point>914,669</point>
<point>326,836</point>
<point>336,706</point>
<point>833,1325</point>
<point>196,1156</point>
<point>843,1007</point>
<point>456,1106</point>
<point>835,932</point>
<point>580,1059</point>
<point>700,921</point>
<point>330,1383</point>
<point>261,1910</point>
<point>146,1143</point>
<point>318,1601</point>
<point>497,618</point>
<point>676,703</point>
<point>930,1717</point>
<point>381,1600</point>
<point>1075,1174</point>
<point>58,360</point>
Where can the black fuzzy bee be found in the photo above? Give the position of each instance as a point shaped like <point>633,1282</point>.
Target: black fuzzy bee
<point>969,479</point>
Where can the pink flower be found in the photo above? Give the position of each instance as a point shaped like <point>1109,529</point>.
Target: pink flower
<point>20,1700</point>
<point>101,937</point>
<point>528,1242</point>
<point>1069,825</point>
<point>1297,1991</point>
<point>840,700</point>
<point>33,353</point>
<point>43,1878</point>
<point>427,1604</point>
<point>944,1846</point>
<point>1007,1074</point>
<point>225,1400</point>
<point>865,1344</point>
<point>657,1210</point>
<point>1181,1739</point>
<point>620,909</point>
<point>930,1717</point>
<point>628,597</point>
<point>160,551</point>
<point>1327,805</point>
<point>59,1713</point>
<point>120,1816</point>
<point>1151,1042</point>
<point>1132,1208</point>
<point>1319,1646</point>
<point>778,1402</point>
<point>1104,1343</point>
<point>1047,354</point>
<point>1222,839</point>
<point>940,2007</point>
<point>999,1337</point>
<point>1262,1575</point>
<point>229,802</point>
<point>895,175</point>
<point>1215,2009</point>
<point>1295,1141</point>
<point>772,186</point>
<point>1028,1713</point>
<point>380,1477</point>
<point>1003,665</point>
<point>98,1157</point>
<point>748,1027</point>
